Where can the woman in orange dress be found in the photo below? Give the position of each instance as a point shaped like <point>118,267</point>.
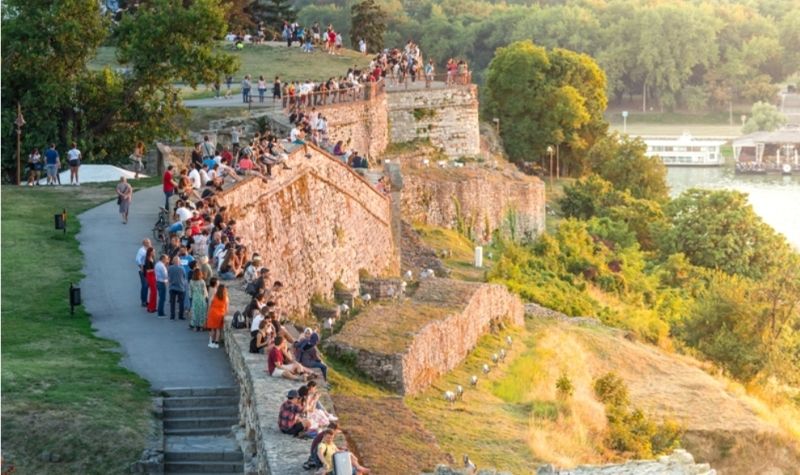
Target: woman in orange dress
<point>217,309</point>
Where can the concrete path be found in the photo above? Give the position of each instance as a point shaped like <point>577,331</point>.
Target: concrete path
<point>163,351</point>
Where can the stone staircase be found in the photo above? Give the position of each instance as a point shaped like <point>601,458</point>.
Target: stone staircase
<point>197,430</point>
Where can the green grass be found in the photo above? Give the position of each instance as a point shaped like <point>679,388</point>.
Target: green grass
<point>63,389</point>
<point>263,60</point>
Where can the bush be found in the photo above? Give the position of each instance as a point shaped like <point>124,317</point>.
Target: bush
<point>630,431</point>
<point>564,387</point>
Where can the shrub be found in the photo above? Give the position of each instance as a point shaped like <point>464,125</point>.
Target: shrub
<point>564,387</point>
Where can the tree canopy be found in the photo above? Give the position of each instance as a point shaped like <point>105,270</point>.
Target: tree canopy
<point>546,99</point>
<point>367,22</point>
<point>46,49</point>
<point>763,116</point>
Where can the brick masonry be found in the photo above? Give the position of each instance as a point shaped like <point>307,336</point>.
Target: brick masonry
<point>361,125</point>
<point>315,224</point>
<point>448,117</point>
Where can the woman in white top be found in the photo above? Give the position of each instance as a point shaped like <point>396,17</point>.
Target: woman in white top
<point>262,88</point>
<point>74,159</point>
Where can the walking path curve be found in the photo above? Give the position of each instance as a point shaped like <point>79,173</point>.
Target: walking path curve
<point>162,351</point>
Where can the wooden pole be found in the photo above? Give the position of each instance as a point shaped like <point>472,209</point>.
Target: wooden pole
<point>558,165</point>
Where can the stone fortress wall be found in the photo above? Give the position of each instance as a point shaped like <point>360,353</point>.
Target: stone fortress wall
<point>447,117</point>
<point>315,224</point>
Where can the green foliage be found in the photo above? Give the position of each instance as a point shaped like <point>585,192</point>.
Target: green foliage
<point>103,110</point>
<point>631,433</point>
<point>423,113</point>
<point>368,22</point>
<point>719,230</point>
<point>275,12</point>
<point>763,116</point>
<point>564,387</point>
<point>622,161</point>
<point>546,98</point>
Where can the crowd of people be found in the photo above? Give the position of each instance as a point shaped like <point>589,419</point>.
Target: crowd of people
<point>50,163</point>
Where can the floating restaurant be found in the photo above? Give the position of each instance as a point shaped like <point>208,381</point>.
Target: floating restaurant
<point>686,151</point>
<point>768,152</point>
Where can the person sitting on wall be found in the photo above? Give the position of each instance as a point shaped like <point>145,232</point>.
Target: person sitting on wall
<point>289,420</point>
<point>277,367</point>
<point>262,341</point>
<point>310,357</point>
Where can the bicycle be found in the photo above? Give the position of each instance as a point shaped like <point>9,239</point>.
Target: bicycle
<point>160,227</point>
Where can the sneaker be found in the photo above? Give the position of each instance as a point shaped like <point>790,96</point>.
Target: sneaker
<point>210,345</point>
<point>215,345</point>
<point>162,316</point>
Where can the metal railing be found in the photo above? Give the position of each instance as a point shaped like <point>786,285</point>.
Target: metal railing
<point>363,92</point>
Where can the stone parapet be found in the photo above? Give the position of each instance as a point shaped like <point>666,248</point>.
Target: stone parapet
<point>361,125</point>
<point>407,344</point>
<point>315,224</point>
<point>261,397</point>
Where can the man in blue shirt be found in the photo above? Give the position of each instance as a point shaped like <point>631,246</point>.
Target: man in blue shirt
<point>52,164</point>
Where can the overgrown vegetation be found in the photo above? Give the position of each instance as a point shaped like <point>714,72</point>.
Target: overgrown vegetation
<point>630,432</point>
<point>68,406</point>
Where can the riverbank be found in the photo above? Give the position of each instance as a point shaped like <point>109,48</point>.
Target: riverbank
<point>68,405</point>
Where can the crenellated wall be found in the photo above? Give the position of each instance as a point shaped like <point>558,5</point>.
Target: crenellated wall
<point>446,116</point>
<point>314,224</point>
<point>407,344</point>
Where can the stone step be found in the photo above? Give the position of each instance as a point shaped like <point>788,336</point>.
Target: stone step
<point>199,422</point>
<point>218,456</point>
<point>213,391</point>
<point>203,467</point>
<point>203,431</point>
<point>201,411</point>
<point>200,401</point>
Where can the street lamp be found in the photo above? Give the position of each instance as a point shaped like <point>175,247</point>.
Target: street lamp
<point>550,152</point>
<point>19,122</point>
<point>624,122</point>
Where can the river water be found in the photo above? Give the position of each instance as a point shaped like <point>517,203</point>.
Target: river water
<point>775,198</point>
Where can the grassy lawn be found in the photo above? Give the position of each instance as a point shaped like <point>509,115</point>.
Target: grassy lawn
<point>709,124</point>
<point>267,60</point>
<point>67,405</point>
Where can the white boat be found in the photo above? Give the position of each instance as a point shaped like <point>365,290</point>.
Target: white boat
<point>686,151</point>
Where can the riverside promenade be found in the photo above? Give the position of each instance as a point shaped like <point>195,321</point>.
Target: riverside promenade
<point>162,351</point>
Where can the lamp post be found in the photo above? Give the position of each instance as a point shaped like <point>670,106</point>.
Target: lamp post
<point>624,122</point>
<point>550,152</point>
<point>19,122</point>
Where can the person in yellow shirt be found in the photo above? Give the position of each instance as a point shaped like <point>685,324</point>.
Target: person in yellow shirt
<point>325,451</point>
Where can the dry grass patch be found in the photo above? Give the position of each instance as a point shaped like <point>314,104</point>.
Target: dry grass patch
<point>388,437</point>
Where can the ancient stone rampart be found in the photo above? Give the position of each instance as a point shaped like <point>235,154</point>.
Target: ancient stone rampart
<point>474,199</point>
<point>447,116</point>
<point>407,344</point>
<point>361,125</point>
<point>315,224</point>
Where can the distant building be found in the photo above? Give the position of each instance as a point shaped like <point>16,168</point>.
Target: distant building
<point>766,152</point>
<point>686,151</point>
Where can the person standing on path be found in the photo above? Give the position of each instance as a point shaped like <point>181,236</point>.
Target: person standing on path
<point>177,288</point>
<point>51,161</point>
<point>199,300</point>
<point>169,186</point>
<point>150,277</point>
<point>162,281</point>
<point>277,87</point>
<point>74,158</point>
<point>140,258</point>
<point>216,315</point>
<point>246,89</point>
<point>136,157</point>
<point>124,198</point>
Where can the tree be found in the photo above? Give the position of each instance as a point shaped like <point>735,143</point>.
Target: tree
<point>367,22</point>
<point>622,161</point>
<point>763,116</point>
<point>275,12</point>
<point>106,111</point>
<point>719,230</point>
<point>545,99</point>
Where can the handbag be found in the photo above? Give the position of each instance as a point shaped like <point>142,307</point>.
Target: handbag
<point>119,200</point>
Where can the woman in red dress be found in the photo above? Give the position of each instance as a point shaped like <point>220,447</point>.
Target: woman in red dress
<point>150,277</point>
<point>217,309</point>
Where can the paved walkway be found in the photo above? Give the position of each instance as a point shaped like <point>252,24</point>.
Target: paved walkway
<point>162,351</point>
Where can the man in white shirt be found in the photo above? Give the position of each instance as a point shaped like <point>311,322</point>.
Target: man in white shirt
<point>162,283</point>
<point>194,176</point>
<point>140,255</point>
<point>74,159</point>
<point>204,178</point>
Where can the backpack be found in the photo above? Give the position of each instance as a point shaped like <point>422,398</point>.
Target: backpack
<point>342,464</point>
<point>251,289</point>
<point>238,320</point>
